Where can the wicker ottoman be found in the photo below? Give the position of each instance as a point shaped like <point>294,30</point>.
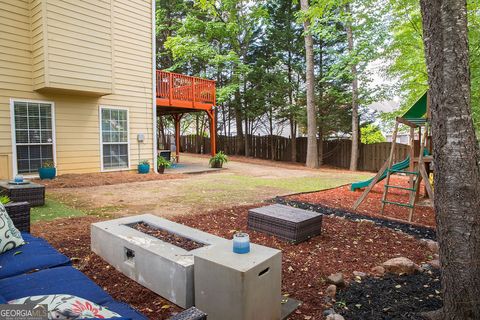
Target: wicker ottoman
<point>288,223</point>
<point>19,212</point>
<point>33,193</point>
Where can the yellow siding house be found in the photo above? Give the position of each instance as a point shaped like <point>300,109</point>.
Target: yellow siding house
<point>76,85</point>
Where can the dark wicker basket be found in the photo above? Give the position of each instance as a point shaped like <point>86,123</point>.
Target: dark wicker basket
<point>190,314</point>
<point>19,212</point>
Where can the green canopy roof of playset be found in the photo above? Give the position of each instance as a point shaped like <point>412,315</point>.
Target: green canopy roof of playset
<point>418,112</point>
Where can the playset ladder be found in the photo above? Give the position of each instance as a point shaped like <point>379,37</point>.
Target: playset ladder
<point>414,183</point>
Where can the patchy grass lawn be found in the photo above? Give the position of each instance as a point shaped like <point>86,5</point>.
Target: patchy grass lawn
<point>239,184</point>
<point>53,210</point>
<point>301,184</point>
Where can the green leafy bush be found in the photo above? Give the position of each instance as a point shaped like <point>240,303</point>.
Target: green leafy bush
<point>162,162</point>
<point>144,162</point>
<point>48,164</point>
<point>219,157</point>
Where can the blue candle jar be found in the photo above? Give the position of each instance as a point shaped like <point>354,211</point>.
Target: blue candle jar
<point>18,178</point>
<point>241,243</point>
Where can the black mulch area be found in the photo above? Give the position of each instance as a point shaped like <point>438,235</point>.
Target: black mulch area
<point>416,231</point>
<point>393,297</point>
<point>166,236</point>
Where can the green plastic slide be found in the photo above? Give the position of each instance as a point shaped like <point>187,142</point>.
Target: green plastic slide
<point>397,166</point>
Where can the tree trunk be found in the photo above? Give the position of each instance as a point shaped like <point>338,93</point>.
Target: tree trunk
<point>293,134</point>
<point>240,145</point>
<point>355,120</point>
<point>247,144</point>
<point>455,151</point>
<point>312,150</point>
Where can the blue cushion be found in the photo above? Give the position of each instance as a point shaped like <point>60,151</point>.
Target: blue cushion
<point>35,254</point>
<point>67,280</point>
<point>124,310</point>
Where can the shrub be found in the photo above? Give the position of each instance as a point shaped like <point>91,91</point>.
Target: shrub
<point>48,164</point>
<point>162,162</point>
<point>219,157</point>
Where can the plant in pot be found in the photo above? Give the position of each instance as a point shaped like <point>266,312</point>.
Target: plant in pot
<point>218,160</point>
<point>163,163</point>
<point>144,167</point>
<point>47,170</point>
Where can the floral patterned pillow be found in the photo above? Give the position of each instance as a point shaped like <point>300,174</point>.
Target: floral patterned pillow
<point>10,237</point>
<point>65,306</point>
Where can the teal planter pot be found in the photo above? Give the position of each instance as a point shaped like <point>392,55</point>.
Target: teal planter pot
<point>143,168</point>
<point>47,173</point>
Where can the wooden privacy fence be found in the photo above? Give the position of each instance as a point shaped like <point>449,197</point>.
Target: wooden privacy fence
<point>335,152</point>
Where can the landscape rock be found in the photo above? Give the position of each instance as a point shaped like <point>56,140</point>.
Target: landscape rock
<point>335,316</point>
<point>400,265</point>
<point>432,245</point>
<point>434,263</point>
<point>378,271</point>
<point>359,274</point>
<point>328,312</point>
<point>426,267</point>
<point>331,291</point>
<point>336,279</point>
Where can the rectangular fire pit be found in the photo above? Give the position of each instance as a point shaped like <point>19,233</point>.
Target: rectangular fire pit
<point>291,224</point>
<point>141,248</point>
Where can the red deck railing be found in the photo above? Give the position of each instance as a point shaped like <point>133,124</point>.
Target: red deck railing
<point>178,90</point>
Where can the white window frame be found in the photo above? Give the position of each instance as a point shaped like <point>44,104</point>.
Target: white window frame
<point>13,134</point>
<point>100,109</point>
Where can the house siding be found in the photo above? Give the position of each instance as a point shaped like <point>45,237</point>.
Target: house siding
<point>115,57</point>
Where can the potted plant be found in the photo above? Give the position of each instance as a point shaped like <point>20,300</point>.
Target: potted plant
<point>144,167</point>
<point>163,163</point>
<point>218,160</point>
<point>48,170</point>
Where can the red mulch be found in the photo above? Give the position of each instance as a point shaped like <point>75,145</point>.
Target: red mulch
<point>343,198</point>
<point>169,237</point>
<point>345,246</point>
<point>103,178</point>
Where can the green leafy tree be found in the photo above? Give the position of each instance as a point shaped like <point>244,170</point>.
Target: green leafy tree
<point>371,134</point>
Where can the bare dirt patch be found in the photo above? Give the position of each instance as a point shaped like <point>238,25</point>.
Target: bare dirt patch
<point>102,179</point>
<point>344,246</point>
<point>343,198</point>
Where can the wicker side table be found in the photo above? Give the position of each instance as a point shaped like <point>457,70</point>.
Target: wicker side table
<point>33,193</point>
<point>288,223</point>
<point>19,212</point>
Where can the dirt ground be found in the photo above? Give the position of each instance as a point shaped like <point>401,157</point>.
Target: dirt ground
<point>103,179</point>
<point>240,183</point>
<point>343,198</point>
<point>344,246</point>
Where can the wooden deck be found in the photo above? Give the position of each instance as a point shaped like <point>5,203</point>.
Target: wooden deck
<point>184,93</point>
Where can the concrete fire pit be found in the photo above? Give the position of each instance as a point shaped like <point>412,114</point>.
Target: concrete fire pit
<point>158,265</point>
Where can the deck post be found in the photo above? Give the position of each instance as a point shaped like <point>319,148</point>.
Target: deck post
<point>177,118</point>
<point>213,131</point>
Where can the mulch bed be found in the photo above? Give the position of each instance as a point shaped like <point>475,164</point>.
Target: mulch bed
<point>166,236</point>
<point>344,246</point>
<point>343,198</point>
<point>418,231</point>
<point>393,297</point>
<point>103,178</point>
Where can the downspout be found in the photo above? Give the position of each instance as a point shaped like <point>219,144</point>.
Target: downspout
<point>154,87</point>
